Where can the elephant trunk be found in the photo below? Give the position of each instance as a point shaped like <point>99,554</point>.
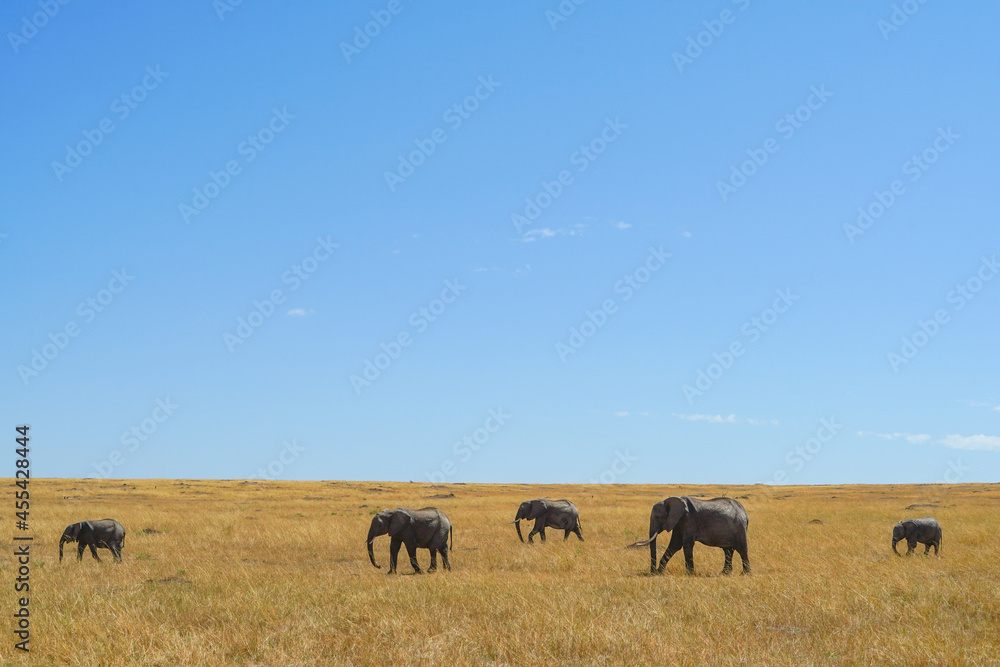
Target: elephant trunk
<point>63,540</point>
<point>371,550</point>
<point>521,514</point>
<point>654,530</point>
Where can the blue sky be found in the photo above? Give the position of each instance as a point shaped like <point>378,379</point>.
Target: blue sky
<point>728,242</point>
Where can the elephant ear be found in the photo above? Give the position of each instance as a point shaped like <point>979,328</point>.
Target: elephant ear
<point>677,509</point>
<point>399,521</point>
<point>538,507</point>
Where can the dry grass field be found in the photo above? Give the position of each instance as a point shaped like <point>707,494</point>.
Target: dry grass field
<point>276,573</point>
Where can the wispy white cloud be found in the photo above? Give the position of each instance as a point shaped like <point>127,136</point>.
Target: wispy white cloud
<point>915,438</point>
<point>686,235</point>
<point>715,419</point>
<point>548,232</point>
<point>980,404</point>
<point>725,419</point>
<point>626,413</point>
<point>621,224</point>
<point>535,234</point>
<point>300,312</point>
<point>982,443</point>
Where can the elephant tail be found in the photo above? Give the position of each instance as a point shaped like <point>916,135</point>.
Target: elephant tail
<point>451,535</point>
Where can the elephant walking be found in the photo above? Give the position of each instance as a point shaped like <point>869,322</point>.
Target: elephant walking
<point>558,514</point>
<point>106,534</point>
<point>426,528</point>
<point>926,531</point>
<point>719,522</point>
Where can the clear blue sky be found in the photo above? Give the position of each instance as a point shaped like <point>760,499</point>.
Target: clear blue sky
<point>627,136</point>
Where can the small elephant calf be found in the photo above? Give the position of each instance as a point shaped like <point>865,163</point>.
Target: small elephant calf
<point>105,533</point>
<point>557,514</point>
<point>926,531</point>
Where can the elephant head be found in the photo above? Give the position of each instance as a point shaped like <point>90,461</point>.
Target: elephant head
<point>389,522</point>
<point>665,516</point>
<point>898,533</point>
<point>71,534</point>
<point>529,510</point>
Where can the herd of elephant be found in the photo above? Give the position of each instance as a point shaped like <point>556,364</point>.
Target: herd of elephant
<point>719,522</point>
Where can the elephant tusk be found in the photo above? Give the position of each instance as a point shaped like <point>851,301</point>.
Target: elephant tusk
<point>640,543</point>
<point>509,522</point>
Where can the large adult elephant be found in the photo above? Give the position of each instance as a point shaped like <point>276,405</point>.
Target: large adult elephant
<point>719,522</point>
<point>558,514</point>
<point>926,531</point>
<point>426,528</point>
<point>105,533</point>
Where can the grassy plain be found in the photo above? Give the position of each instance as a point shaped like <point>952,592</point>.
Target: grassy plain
<point>276,573</point>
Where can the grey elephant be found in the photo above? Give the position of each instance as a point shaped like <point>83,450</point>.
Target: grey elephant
<point>558,514</point>
<point>104,533</point>
<point>719,522</point>
<point>426,528</point>
<point>926,531</point>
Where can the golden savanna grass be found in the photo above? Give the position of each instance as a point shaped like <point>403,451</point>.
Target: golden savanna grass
<point>276,573</point>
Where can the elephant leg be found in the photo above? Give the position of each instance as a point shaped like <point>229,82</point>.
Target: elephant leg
<point>745,557</point>
<point>672,548</point>
<point>689,557</point>
<point>117,553</point>
<point>579,533</point>
<point>93,550</point>
<point>434,561</point>
<point>936,546</point>
<point>927,549</point>
<point>728,567</point>
<point>535,530</point>
<point>444,558</point>
<point>540,529</point>
<point>911,547</point>
<point>566,536</point>
<point>393,554</point>
<point>411,551</point>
